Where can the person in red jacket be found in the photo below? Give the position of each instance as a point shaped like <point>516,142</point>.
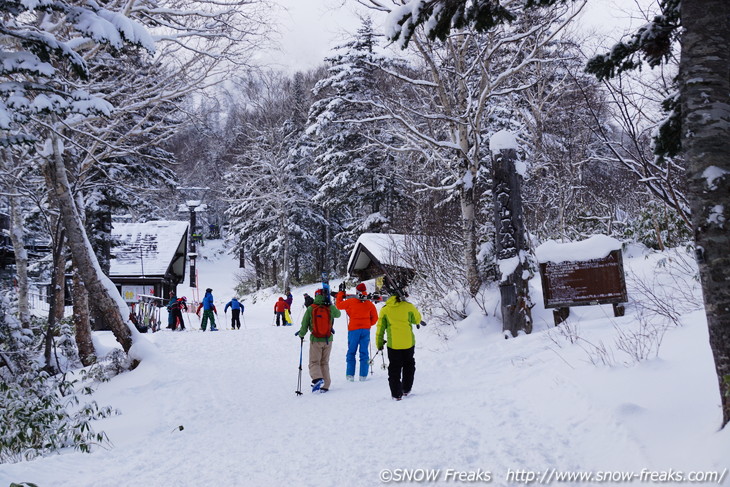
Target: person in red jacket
<point>279,308</point>
<point>361,315</point>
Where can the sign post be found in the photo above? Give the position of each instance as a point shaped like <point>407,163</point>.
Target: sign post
<point>584,283</point>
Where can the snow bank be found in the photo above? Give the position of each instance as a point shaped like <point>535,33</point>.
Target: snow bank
<point>595,247</point>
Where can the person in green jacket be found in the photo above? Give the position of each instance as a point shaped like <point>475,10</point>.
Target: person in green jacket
<point>320,347</point>
<point>395,323</point>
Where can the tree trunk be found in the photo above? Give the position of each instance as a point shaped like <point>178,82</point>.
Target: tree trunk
<point>58,281</point>
<point>21,260</point>
<point>705,89</point>
<point>102,293</point>
<point>82,324</point>
<point>469,227</point>
<point>285,266</point>
<point>326,260</point>
<point>55,296</point>
<point>297,272</point>
<point>512,247</point>
<point>258,271</point>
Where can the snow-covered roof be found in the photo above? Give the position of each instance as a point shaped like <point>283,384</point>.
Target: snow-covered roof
<point>387,248</point>
<point>595,247</point>
<point>146,249</point>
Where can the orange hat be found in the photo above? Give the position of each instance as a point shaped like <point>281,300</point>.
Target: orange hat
<point>361,287</point>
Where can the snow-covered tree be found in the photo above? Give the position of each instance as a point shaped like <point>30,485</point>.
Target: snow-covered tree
<point>359,183</point>
<point>468,75</point>
<point>60,62</point>
<point>702,112</point>
<point>697,126</point>
<point>269,187</point>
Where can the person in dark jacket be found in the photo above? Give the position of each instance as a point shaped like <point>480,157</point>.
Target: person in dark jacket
<point>308,300</point>
<point>170,316</point>
<point>236,310</point>
<point>176,310</point>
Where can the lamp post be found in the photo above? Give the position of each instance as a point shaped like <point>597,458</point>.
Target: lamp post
<point>193,206</point>
<point>193,274</point>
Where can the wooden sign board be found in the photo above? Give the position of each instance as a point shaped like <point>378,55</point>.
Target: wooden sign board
<point>582,283</point>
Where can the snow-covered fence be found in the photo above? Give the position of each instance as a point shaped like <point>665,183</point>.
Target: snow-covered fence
<point>38,301</point>
<point>39,305</point>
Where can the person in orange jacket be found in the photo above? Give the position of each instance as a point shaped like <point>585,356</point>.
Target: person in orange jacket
<point>279,307</point>
<point>362,315</point>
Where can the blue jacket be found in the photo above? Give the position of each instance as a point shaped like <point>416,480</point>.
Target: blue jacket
<point>233,304</point>
<point>208,302</point>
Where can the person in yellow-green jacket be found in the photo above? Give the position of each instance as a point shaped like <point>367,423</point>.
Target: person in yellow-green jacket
<point>395,327</point>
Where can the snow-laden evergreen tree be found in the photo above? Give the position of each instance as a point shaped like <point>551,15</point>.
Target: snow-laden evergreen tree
<point>269,187</point>
<point>359,185</point>
<point>307,250</point>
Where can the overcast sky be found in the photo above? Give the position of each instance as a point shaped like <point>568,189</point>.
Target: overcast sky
<point>309,29</point>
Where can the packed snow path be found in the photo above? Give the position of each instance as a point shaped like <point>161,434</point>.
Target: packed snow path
<point>219,408</point>
<point>233,394</point>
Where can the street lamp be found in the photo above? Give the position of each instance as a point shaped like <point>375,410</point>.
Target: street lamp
<point>193,206</point>
<point>193,273</point>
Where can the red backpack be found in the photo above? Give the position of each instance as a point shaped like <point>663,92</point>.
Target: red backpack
<point>321,326</point>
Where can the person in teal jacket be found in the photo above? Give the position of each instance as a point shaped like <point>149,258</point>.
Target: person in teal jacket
<point>319,348</point>
<point>395,327</point>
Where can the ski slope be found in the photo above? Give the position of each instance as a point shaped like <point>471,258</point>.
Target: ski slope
<point>219,408</point>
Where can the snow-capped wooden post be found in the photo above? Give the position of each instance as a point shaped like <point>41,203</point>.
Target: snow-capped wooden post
<point>511,244</point>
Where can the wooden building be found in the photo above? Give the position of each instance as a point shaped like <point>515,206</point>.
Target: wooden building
<point>376,255</point>
<point>148,258</point>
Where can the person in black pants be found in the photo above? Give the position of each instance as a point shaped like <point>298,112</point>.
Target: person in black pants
<point>396,322</point>
<point>236,310</point>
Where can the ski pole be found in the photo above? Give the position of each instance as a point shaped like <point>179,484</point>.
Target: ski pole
<point>370,352</point>
<point>373,359</point>
<point>299,381</point>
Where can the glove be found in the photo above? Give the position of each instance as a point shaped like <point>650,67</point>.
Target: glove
<point>296,333</point>
<point>419,325</point>
<point>342,287</point>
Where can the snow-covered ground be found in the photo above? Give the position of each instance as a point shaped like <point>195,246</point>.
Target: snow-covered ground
<point>221,409</point>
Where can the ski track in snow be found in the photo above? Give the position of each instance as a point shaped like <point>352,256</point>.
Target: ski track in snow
<point>488,404</point>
